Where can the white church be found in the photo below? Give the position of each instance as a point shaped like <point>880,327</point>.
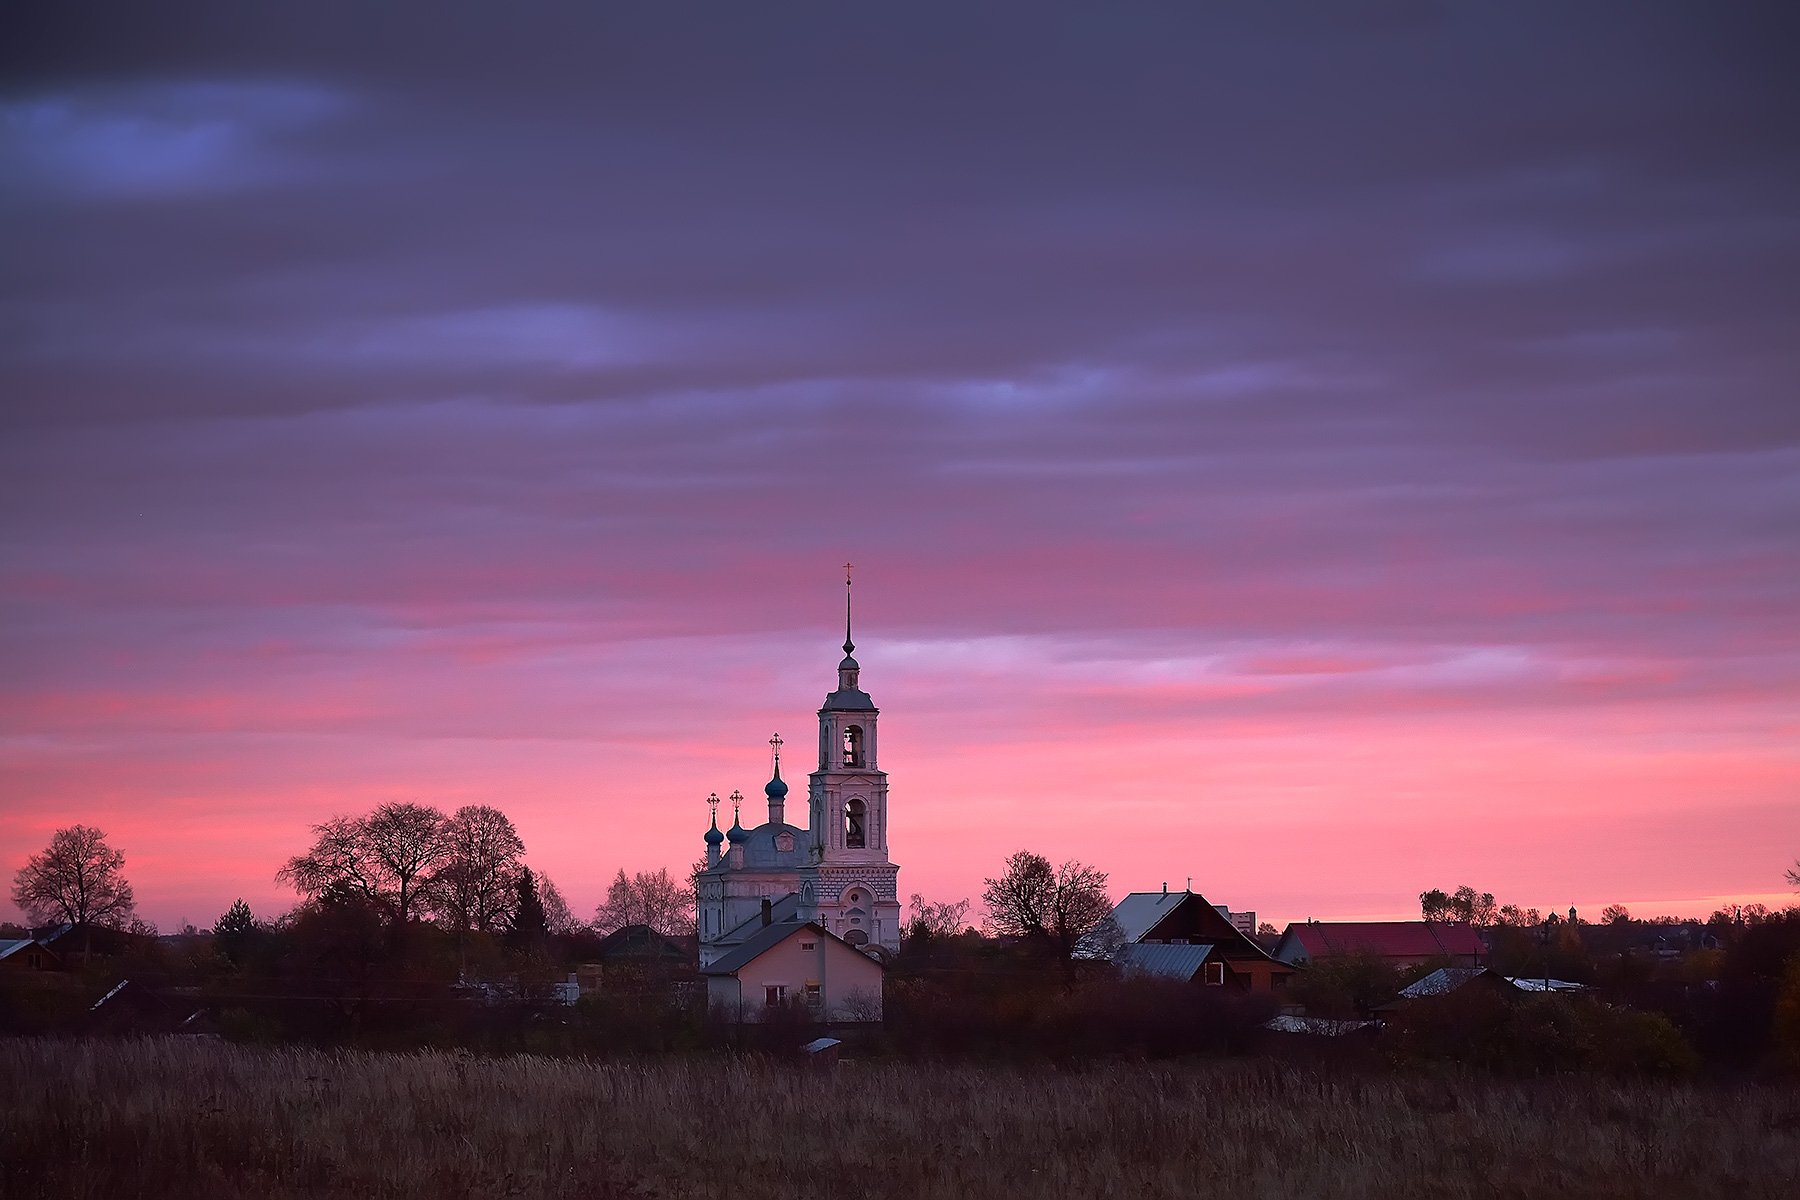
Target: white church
<point>834,872</point>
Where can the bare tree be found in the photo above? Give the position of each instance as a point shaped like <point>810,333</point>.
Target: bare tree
<point>1512,914</point>
<point>77,878</point>
<point>647,898</point>
<point>1053,908</point>
<point>558,918</point>
<point>1614,914</point>
<point>474,888</point>
<point>1793,876</point>
<point>940,920</point>
<point>389,857</point>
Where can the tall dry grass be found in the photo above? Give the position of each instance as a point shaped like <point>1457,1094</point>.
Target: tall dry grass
<point>168,1118</point>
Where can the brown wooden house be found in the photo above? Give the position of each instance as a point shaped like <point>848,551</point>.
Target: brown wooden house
<point>1179,935</point>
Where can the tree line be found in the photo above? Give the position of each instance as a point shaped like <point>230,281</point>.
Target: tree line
<point>403,864</point>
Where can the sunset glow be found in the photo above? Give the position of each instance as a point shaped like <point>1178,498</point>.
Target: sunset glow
<point>1322,502</point>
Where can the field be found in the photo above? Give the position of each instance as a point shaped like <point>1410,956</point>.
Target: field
<point>168,1118</point>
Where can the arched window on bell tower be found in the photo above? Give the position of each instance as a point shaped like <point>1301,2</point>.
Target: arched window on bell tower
<point>856,824</point>
<point>853,746</point>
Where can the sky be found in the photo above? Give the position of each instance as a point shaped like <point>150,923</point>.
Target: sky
<point>1321,452</point>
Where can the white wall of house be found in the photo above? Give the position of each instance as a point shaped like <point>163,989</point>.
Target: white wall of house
<point>848,982</point>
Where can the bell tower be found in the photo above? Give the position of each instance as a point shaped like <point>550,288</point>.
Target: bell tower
<point>856,884</point>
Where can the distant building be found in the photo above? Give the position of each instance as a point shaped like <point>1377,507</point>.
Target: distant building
<point>1178,935</point>
<point>636,958</point>
<point>795,963</point>
<point>28,954</point>
<point>1401,944</point>
<point>1445,980</point>
<point>1243,922</point>
<point>836,870</point>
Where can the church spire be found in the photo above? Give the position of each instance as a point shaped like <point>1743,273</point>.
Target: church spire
<point>849,646</point>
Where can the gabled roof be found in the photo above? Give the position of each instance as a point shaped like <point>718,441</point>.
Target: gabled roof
<point>1138,913</point>
<point>10,948</point>
<point>1389,939</point>
<point>1537,983</point>
<point>1142,914</point>
<point>769,937</point>
<point>786,909</point>
<point>1162,961</point>
<point>1441,981</point>
<point>1317,1026</point>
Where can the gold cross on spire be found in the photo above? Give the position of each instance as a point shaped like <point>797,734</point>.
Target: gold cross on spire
<point>847,568</point>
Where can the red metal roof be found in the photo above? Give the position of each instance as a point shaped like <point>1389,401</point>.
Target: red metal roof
<point>1390,939</point>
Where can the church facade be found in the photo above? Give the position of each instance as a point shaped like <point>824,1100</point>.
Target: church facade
<point>835,870</point>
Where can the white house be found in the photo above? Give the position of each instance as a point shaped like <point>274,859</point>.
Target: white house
<point>795,962</point>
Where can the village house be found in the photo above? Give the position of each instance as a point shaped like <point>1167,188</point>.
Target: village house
<point>28,954</point>
<point>795,963</point>
<point>1179,935</point>
<point>1401,944</point>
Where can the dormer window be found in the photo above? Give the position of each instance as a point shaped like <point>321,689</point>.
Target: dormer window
<point>853,746</point>
<point>855,816</point>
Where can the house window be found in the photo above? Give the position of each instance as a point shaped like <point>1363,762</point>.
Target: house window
<point>809,945</point>
<point>774,995</point>
<point>813,996</point>
<point>1215,974</point>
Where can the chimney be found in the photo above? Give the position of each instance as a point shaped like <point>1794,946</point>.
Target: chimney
<point>1165,887</point>
<point>768,911</point>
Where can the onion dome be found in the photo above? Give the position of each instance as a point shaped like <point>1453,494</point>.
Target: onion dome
<point>737,835</point>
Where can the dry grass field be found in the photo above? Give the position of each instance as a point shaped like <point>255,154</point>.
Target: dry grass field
<point>168,1118</point>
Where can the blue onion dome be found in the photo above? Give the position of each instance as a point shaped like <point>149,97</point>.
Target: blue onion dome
<point>776,788</point>
<point>713,836</point>
<point>737,835</point>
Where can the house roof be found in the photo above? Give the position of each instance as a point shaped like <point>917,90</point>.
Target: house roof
<point>1389,939</point>
<point>1317,1026</point>
<point>1537,983</point>
<point>1441,981</point>
<point>1138,913</point>
<point>766,939</point>
<point>12,947</point>
<point>1162,961</point>
<point>783,911</point>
